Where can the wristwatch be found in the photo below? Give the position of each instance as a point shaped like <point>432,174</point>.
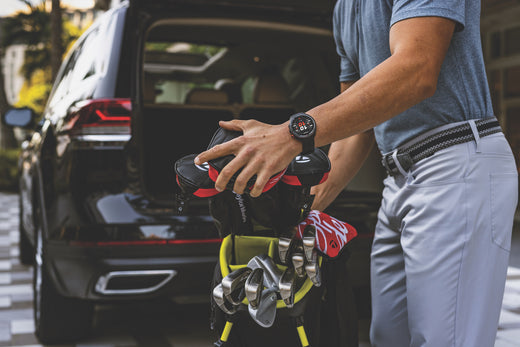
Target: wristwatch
<point>303,128</point>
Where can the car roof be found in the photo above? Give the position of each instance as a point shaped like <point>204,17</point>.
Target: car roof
<point>316,8</point>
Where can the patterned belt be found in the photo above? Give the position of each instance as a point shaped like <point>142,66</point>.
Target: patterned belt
<point>412,153</point>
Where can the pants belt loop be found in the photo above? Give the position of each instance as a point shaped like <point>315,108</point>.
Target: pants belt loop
<point>476,135</point>
<point>407,174</point>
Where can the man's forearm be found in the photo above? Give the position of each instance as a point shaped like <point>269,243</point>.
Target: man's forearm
<point>406,78</point>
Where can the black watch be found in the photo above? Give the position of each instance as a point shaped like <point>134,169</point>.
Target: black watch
<point>303,128</point>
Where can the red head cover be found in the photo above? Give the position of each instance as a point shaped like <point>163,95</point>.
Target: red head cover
<point>331,234</point>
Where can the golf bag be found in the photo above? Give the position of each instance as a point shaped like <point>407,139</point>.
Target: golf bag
<point>281,278</point>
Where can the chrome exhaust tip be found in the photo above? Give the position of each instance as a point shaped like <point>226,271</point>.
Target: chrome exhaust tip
<point>133,282</point>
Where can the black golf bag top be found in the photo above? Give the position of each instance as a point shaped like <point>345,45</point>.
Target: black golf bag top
<point>280,279</point>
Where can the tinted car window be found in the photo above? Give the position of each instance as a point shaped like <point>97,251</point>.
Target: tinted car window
<point>86,63</point>
<point>63,80</point>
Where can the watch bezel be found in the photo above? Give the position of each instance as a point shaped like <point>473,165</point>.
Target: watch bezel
<point>295,133</point>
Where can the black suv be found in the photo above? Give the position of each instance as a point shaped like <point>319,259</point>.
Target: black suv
<point>143,87</point>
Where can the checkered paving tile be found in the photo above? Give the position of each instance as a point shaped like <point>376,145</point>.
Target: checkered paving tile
<point>148,324</point>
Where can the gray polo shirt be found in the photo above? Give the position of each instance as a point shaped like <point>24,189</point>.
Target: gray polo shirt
<point>361,31</point>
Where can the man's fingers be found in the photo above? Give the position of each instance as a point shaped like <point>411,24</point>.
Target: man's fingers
<point>226,148</point>
<point>217,151</point>
<point>206,156</point>
<point>245,176</point>
<point>260,183</point>
<point>228,171</point>
<point>245,157</point>
<point>234,125</point>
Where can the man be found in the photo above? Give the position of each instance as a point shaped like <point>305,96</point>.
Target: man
<point>412,78</point>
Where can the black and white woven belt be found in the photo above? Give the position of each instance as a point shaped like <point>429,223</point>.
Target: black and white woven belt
<point>411,154</point>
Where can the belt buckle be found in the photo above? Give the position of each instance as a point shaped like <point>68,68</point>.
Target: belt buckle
<point>405,161</point>
<point>388,162</point>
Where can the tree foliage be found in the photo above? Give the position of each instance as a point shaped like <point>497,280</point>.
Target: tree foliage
<point>34,92</point>
<point>33,28</point>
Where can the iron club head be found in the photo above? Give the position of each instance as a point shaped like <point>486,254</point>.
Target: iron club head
<point>265,314</point>
<point>309,241</point>
<point>233,285</point>
<point>255,263</point>
<point>285,243</point>
<point>270,269</point>
<point>272,273</point>
<point>220,300</point>
<point>298,260</point>
<point>287,286</point>
<point>253,286</point>
<point>313,270</point>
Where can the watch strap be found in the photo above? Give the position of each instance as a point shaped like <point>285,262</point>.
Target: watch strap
<point>308,145</point>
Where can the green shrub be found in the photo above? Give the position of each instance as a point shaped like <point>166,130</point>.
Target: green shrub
<point>9,170</point>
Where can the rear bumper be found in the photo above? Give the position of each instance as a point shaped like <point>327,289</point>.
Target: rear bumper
<point>131,272</point>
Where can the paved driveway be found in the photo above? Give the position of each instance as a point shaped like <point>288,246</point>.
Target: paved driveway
<point>157,323</point>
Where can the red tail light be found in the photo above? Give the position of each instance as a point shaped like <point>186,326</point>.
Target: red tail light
<point>100,113</point>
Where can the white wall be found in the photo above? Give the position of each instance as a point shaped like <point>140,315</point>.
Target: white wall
<point>13,79</point>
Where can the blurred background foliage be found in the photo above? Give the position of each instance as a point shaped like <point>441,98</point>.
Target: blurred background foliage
<point>9,169</point>
<point>32,28</point>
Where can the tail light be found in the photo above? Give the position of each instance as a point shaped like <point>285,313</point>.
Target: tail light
<point>113,115</point>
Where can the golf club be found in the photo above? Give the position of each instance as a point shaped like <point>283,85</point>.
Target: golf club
<point>269,280</point>
<point>312,269</point>
<point>253,286</point>
<point>218,296</point>
<point>298,260</point>
<point>285,243</point>
<point>287,287</point>
<point>265,314</point>
<point>270,268</point>
<point>233,285</point>
<point>309,241</point>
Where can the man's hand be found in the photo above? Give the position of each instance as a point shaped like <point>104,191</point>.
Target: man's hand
<point>263,150</point>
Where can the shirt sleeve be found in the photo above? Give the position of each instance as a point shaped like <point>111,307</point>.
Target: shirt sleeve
<point>450,9</point>
<point>348,71</point>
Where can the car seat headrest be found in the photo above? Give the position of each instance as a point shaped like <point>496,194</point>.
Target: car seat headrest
<point>231,88</point>
<point>203,96</point>
<point>271,88</point>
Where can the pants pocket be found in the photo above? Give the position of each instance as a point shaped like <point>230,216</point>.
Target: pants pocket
<point>504,198</point>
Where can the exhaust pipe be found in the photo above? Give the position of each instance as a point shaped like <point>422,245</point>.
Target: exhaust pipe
<point>133,282</point>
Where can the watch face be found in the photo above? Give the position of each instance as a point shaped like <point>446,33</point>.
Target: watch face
<point>302,125</point>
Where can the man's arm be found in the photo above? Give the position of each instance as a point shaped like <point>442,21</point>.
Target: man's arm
<point>346,157</point>
<point>408,76</point>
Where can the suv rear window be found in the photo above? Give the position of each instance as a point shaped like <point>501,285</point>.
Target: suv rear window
<point>238,63</point>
